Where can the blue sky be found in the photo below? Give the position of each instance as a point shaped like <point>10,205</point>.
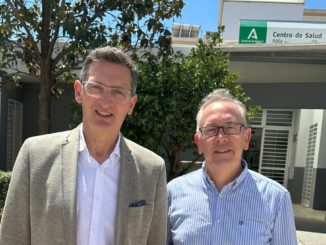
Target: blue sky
<point>205,13</point>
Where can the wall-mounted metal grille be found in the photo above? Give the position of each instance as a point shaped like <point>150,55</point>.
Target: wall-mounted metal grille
<point>274,154</point>
<point>279,118</point>
<point>14,131</point>
<point>274,174</point>
<point>308,172</point>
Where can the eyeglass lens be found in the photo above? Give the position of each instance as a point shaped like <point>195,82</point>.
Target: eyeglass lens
<point>98,90</point>
<point>229,129</point>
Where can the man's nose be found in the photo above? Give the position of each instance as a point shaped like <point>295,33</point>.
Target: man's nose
<point>220,135</point>
<point>220,131</point>
<point>106,98</point>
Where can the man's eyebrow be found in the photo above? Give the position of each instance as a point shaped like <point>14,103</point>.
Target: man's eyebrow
<point>95,81</point>
<point>226,123</point>
<point>231,122</point>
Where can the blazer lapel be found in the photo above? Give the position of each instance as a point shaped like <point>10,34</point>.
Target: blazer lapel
<point>69,157</point>
<point>126,175</point>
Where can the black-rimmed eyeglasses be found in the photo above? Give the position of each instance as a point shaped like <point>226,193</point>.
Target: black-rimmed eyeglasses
<point>98,90</point>
<point>228,129</point>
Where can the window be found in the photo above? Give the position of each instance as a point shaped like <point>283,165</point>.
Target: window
<point>14,131</point>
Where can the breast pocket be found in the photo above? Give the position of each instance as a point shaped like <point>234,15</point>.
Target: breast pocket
<point>139,220</point>
<point>250,231</point>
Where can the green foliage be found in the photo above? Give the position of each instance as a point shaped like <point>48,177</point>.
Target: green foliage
<point>4,184</point>
<point>76,115</point>
<point>51,38</point>
<point>169,92</point>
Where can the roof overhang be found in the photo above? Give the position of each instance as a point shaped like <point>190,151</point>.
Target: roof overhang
<point>298,53</point>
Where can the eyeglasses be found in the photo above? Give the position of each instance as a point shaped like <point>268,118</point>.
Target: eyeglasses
<point>228,129</point>
<point>98,90</point>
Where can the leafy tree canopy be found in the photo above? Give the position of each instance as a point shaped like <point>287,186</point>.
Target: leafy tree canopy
<point>169,92</point>
<point>51,38</point>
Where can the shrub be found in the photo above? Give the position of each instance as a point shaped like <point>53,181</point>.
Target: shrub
<point>4,184</point>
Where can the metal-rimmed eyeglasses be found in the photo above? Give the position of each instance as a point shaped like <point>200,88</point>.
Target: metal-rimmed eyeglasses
<point>228,129</point>
<point>98,90</point>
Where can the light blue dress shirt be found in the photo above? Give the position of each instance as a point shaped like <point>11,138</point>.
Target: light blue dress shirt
<point>251,210</point>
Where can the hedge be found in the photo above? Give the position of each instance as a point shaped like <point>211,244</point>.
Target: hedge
<point>4,184</point>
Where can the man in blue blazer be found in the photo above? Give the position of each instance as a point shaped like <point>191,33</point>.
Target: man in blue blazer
<point>89,185</point>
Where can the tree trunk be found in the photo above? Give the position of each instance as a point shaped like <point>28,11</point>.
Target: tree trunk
<point>175,161</point>
<point>44,100</point>
<point>45,69</point>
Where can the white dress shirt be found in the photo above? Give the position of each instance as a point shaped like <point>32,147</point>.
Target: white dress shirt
<point>97,188</point>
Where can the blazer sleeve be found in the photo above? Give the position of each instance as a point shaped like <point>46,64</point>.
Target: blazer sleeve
<point>157,232</point>
<point>15,223</point>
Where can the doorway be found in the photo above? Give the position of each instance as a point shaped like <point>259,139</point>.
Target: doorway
<point>252,155</point>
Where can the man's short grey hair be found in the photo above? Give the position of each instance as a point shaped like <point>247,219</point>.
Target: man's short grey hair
<point>110,54</point>
<point>220,95</point>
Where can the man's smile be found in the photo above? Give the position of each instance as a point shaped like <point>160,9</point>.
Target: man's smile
<point>104,113</point>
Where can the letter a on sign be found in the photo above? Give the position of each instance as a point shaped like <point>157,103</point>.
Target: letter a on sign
<point>252,34</point>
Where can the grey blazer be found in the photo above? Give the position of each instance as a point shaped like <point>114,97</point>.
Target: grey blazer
<point>40,208</point>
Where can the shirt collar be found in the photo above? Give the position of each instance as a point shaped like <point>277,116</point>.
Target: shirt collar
<point>230,186</point>
<point>83,146</point>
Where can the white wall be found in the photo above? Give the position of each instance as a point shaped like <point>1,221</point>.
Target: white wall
<point>322,152</point>
<point>308,118</point>
<point>234,11</point>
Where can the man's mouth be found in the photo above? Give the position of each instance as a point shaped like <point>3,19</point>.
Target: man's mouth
<point>222,150</point>
<point>104,113</point>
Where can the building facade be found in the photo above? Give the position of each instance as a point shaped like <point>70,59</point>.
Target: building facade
<point>286,75</point>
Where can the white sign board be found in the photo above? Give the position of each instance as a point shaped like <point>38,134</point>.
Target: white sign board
<point>255,31</point>
<point>292,32</point>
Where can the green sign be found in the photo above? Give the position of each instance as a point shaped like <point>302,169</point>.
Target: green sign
<point>252,31</point>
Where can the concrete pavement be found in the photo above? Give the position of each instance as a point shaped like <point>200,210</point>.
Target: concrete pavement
<point>310,224</point>
<point>311,238</point>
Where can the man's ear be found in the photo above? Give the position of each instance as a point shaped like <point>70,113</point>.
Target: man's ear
<point>78,91</point>
<point>247,138</point>
<point>133,101</point>
<point>198,143</point>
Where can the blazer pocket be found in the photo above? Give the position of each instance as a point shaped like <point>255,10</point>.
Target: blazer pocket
<point>139,220</point>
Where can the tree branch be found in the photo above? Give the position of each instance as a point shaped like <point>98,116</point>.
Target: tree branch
<point>45,32</point>
<point>56,28</point>
<point>77,39</point>
<point>23,24</point>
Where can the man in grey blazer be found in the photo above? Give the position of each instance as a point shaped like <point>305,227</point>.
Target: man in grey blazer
<point>90,185</point>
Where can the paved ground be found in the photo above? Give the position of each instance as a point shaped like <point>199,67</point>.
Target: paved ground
<point>311,225</point>
<point>311,238</point>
